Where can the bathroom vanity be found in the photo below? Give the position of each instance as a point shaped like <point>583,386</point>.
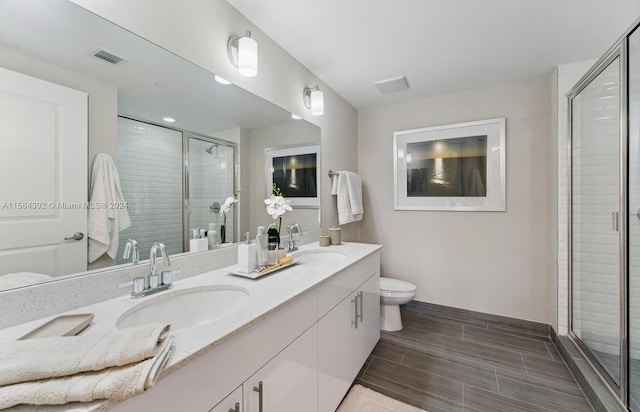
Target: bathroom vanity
<point>296,344</point>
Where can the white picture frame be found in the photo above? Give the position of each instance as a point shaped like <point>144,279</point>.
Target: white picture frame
<point>454,167</point>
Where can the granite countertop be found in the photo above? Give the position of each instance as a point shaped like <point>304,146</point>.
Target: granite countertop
<point>266,294</point>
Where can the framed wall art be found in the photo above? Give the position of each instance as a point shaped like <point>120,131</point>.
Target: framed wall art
<point>459,167</point>
<point>295,171</point>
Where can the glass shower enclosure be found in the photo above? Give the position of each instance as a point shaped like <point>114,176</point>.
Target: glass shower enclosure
<point>604,153</point>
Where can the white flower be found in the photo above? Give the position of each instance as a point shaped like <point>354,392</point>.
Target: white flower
<point>277,206</point>
<point>228,203</point>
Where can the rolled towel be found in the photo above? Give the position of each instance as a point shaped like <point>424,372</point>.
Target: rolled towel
<point>33,359</point>
<point>117,383</point>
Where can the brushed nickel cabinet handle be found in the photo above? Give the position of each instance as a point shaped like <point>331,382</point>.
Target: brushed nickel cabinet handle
<point>236,409</point>
<point>361,296</point>
<point>355,306</point>
<point>259,389</point>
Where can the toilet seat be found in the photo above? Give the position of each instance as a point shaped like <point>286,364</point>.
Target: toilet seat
<point>395,287</point>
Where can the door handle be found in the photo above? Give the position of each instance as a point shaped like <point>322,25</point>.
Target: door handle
<point>614,221</point>
<point>361,316</point>
<point>259,389</point>
<point>236,409</point>
<point>76,236</point>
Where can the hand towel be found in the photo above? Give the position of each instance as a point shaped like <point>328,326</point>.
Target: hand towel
<point>18,279</point>
<point>33,359</point>
<point>105,223</point>
<point>349,197</point>
<point>116,383</point>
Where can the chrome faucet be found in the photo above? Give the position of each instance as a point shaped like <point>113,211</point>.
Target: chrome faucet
<point>291,246</point>
<point>154,282</point>
<point>132,246</point>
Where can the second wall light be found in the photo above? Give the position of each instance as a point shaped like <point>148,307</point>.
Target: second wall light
<point>313,100</point>
<point>243,53</point>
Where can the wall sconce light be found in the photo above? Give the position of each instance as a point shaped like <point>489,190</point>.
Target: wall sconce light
<point>313,100</point>
<point>243,53</point>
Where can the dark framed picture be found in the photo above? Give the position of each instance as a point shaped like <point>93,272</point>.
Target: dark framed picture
<point>295,172</point>
<point>458,167</point>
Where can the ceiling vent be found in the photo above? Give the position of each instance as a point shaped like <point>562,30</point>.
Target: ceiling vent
<point>108,57</point>
<point>392,85</point>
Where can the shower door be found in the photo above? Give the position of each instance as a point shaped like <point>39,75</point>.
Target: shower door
<point>210,174</point>
<point>597,236</point>
<point>634,220</point>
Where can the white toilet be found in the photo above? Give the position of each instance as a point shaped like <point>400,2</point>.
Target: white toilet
<point>393,293</point>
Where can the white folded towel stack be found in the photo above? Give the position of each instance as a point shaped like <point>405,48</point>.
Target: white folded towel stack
<point>347,186</point>
<point>54,371</point>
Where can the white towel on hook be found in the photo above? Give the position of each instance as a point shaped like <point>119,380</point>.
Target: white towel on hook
<point>349,197</point>
<point>105,223</point>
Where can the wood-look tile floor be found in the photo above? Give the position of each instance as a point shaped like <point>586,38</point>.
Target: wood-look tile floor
<point>457,360</point>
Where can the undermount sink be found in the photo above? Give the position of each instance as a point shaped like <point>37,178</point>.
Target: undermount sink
<point>188,307</point>
<point>318,256</point>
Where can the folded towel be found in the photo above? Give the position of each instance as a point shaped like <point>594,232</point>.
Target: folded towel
<point>105,223</point>
<point>349,197</point>
<point>33,359</point>
<point>18,279</point>
<point>116,383</point>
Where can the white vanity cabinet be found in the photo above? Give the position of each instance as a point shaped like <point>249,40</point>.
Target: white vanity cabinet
<point>346,336</point>
<point>232,403</point>
<point>306,353</point>
<point>289,382</point>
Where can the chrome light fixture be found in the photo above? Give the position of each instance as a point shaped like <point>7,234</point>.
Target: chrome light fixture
<point>313,100</point>
<point>243,53</point>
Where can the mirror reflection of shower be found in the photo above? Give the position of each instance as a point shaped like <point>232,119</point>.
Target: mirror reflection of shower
<point>216,155</point>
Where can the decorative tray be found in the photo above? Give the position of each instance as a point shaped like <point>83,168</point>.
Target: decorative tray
<point>64,325</point>
<point>256,274</point>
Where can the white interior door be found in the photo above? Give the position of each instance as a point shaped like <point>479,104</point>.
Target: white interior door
<point>43,176</point>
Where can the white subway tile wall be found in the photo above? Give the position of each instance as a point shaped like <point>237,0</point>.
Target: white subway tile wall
<point>596,251</point>
<point>150,166</point>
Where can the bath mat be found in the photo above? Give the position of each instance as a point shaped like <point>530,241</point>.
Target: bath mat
<point>361,399</point>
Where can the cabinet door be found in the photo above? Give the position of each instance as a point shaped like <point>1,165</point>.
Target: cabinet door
<point>368,332</point>
<point>336,337</point>
<point>232,403</point>
<point>289,382</point>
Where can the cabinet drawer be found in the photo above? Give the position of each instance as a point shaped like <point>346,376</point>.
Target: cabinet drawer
<point>339,286</point>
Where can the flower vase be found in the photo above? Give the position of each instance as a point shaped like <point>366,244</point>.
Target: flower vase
<point>223,234</point>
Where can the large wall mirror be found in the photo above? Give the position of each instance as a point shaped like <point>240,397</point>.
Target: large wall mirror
<point>173,176</point>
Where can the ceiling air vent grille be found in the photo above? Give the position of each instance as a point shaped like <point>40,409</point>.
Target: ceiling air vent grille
<point>108,56</point>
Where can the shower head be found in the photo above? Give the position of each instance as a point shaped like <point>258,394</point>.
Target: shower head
<point>210,150</point>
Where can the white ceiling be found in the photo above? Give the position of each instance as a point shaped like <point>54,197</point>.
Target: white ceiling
<point>441,46</point>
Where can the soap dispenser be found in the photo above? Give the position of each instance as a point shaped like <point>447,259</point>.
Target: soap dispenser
<point>247,255</point>
<point>262,243</point>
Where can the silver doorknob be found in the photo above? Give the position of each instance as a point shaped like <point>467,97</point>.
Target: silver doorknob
<point>76,236</point>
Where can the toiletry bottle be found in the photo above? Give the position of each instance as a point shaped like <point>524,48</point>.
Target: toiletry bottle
<point>193,242</point>
<point>262,243</point>
<point>247,255</point>
<point>272,247</point>
<point>212,236</point>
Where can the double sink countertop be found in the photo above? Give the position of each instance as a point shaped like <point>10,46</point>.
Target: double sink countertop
<point>266,295</point>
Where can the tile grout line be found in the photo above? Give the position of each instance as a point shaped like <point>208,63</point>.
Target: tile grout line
<point>525,364</point>
<point>463,396</point>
